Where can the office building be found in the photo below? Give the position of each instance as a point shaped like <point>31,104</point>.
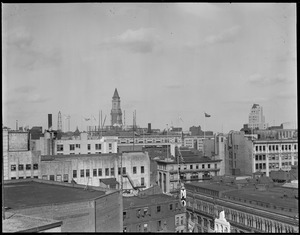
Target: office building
<point>254,205</point>
<point>256,118</point>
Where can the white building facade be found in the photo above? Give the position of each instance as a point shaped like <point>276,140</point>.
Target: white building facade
<point>256,118</point>
<point>272,155</point>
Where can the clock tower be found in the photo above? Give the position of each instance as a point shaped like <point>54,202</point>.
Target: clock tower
<point>116,112</point>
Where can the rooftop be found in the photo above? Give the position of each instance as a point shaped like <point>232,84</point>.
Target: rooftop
<point>72,156</point>
<point>191,159</point>
<point>21,223</point>
<point>24,193</point>
<point>147,200</point>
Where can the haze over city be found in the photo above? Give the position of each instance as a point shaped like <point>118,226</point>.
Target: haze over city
<point>167,60</point>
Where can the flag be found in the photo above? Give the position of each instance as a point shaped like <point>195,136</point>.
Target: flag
<point>207,115</point>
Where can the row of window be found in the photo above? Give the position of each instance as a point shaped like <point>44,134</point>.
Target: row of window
<point>27,177</point>
<point>60,147</point>
<point>60,178</point>
<point>285,147</point>
<point>108,172</point>
<point>245,219</point>
<point>21,167</point>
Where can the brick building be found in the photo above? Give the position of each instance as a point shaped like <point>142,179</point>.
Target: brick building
<point>79,209</point>
<point>153,212</point>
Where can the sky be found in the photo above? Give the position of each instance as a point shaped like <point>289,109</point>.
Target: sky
<point>170,62</point>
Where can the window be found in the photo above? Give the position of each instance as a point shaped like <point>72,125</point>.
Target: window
<point>158,209</point>
<point>191,166</point>
<point>66,178</point>
<point>13,167</point>
<point>87,172</point>
<point>36,177</point>
<point>203,166</point>
<point>99,171</point>
<point>94,172</point>
<point>145,227</point>
<point>142,169</point>
<point>197,166</point>
<point>216,166</point>
<point>106,171</point>
<point>35,166</point>
<point>124,215</point>
<point>145,211</point>
<point>58,178</point>
<point>89,147</point>
<point>72,147</point>
<point>138,213</point>
<point>23,177</point>
<point>171,206</point>
<point>82,173</point>
<point>28,177</point>
<point>181,220</point>
<point>52,177</point>
<point>159,224</point>
<point>21,167</point>
<point>13,178</point>
<point>124,170</point>
<point>109,146</point>
<point>74,173</point>
<point>138,227</point>
<point>112,171</point>
<point>77,146</point>
<point>119,171</point>
<point>28,166</point>
<point>134,170</point>
<point>142,181</point>
<point>60,147</point>
<point>208,166</point>
<point>176,205</point>
<point>98,146</point>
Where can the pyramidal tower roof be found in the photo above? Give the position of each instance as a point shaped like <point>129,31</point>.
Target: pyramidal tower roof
<point>116,95</point>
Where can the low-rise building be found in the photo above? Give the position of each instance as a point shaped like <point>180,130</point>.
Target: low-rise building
<point>250,205</point>
<point>189,167</point>
<point>17,223</point>
<point>155,212</point>
<point>129,170</point>
<point>79,209</point>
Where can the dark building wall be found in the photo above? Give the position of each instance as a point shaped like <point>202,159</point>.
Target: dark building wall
<point>99,215</point>
<point>109,213</point>
<point>135,223</point>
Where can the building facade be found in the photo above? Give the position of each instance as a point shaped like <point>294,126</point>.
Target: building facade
<point>273,155</point>
<point>251,207</point>
<point>153,213</point>
<point>131,170</point>
<point>191,168</point>
<point>18,161</point>
<point>116,112</point>
<point>256,118</point>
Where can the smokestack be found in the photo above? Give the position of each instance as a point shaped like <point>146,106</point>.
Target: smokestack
<point>149,127</point>
<point>17,125</point>
<point>49,121</point>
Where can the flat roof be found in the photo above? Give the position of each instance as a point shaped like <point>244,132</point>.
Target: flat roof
<point>23,223</point>
<point>136,201</point>
<point>273,196</point>
<point>72,156</point>
<point>25,194</point>
<point>212,186</point>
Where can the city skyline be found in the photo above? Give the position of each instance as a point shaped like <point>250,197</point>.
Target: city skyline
<point>167,60</point>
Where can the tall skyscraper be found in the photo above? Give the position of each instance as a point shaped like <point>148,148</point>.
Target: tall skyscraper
<point>256,118</point>
<point>116,112</point>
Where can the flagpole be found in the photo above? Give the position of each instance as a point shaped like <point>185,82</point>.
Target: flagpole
<point>204,135</point>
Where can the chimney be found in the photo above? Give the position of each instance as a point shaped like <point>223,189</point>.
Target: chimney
<point>49,121</point>
<point>149,127</point>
